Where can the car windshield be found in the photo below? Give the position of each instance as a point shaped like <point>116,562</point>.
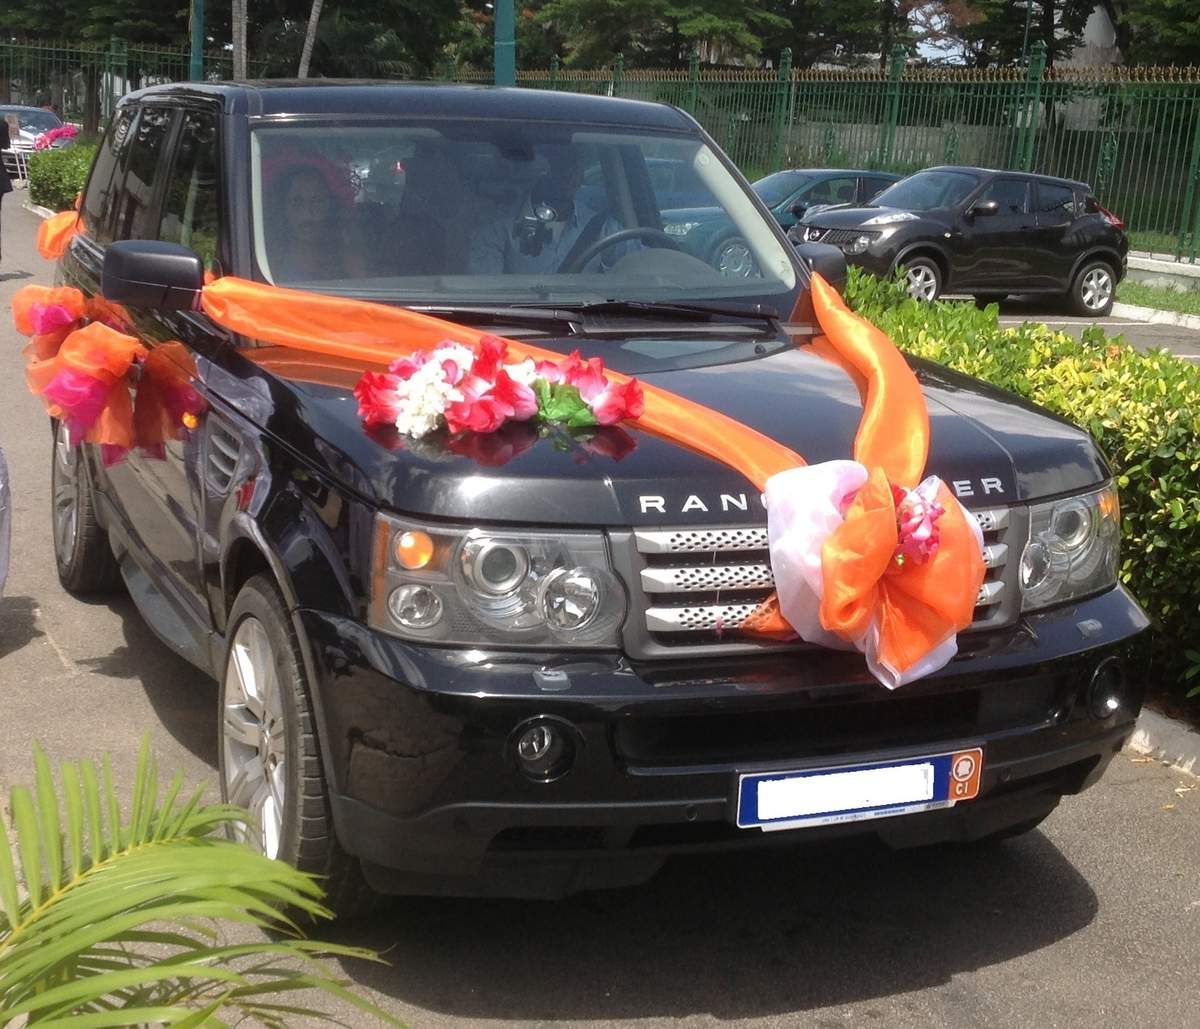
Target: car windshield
<point>774,189</point>
<point>31,121</point>
<point>499,211</point>
<point>928,190</point>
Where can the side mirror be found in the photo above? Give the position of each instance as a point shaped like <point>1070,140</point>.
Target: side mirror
<point>151,274</point>
<point>988,207</point>
<point>826,259</point>
<point>799,207</point>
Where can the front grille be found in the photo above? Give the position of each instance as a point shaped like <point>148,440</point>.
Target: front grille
<point>834,237</point>
<point>696,587</point>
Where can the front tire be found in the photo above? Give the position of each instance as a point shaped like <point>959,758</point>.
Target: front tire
<point>733,259</point>
<point>1094,290</point>
<point>268,756</point>
<point>82,553</point>
<point>923,277</point>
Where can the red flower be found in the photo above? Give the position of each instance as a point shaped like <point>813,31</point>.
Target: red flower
<point>406,367</point>
<point>379,403</point>
<point>586,376</point>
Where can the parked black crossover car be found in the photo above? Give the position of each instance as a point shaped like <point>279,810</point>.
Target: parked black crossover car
<point>989,233</point>
<point>470,743</point>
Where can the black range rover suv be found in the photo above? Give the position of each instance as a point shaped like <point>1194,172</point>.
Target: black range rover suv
<point>482,739</point>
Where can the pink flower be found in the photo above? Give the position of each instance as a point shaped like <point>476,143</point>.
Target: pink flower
<point>379,402</point>
<point>615,403</point>
<point>917,512</point>
<point>406,367</point>
<point>586,376</point>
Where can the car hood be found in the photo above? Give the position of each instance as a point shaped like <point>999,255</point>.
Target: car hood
<point>847,217</point>
<point>991,447</point>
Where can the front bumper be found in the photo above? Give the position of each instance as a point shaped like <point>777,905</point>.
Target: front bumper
<point>426,789</point>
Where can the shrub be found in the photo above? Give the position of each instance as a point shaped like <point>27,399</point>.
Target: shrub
<point>1143,409</point>
<point>57,176</point>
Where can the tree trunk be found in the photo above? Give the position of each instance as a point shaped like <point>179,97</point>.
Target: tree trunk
<point>310,37</point>
<point>239,38</point>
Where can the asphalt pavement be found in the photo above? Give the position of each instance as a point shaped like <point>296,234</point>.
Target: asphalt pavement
<point>1094,920</point>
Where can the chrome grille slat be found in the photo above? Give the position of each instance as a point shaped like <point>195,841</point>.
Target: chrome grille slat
<point>729,574</point>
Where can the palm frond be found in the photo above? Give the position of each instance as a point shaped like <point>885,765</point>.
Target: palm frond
<point>110,921</point>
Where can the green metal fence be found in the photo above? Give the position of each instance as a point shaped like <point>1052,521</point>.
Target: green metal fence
<point>85,81</point>
<point>1133,134</point>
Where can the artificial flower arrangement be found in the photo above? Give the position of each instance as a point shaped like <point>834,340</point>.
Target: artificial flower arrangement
<point>476,390</point>
<point>48,138</point>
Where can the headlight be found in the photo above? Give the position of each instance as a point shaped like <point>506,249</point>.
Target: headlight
<point>858,245</point>
<point>474,586</point>
<point>891,218</point>
<point>679,228</point>
<point>1073,548</point>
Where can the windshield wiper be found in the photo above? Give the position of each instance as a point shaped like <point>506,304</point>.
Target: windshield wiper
<point>476,314</point>
<point>677,309</point>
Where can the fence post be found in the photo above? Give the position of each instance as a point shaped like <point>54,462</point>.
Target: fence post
<point>1031,102</point>
<point>554,72</point>
<point>782,107</point>
<point>118,65</point>
<point>1189,235</point>
<point>694,81</point>
<point>891,113</point>
<point>618,75</point>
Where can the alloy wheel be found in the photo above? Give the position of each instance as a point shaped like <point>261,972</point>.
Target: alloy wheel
<point>65,492</point>
<point>1096,289</point>
<point>254,736</point>
<point>735,261</point>
<point>922,282</point>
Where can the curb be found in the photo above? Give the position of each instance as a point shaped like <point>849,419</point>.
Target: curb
<point>1155,316</point>
<point>1170,741</point>
<point>38,209</point>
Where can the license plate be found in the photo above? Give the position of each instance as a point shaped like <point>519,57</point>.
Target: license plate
<point>855,793</point>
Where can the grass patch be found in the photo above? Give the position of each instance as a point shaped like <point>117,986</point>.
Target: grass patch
<point>1162,298</point>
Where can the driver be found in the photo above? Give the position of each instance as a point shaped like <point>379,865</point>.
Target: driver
<point>551,226</point>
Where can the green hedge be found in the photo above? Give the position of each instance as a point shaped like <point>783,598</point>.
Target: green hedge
<point>57,176</point>
<point>1143,409</point>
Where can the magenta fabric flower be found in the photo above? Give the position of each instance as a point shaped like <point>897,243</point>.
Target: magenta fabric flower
<point>917,512</point>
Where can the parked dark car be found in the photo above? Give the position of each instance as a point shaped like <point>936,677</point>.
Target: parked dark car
<point>30,124</point>
<point>470,743</point>
<point>988,233</point>
<point>706,232</point>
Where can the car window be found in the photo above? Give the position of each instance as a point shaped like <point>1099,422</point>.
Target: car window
<point>776,188</point>
<point>190,211</point>
<point>1056,201</point>
<point>928,191</point>
<point>144,172</point>
<point>873,186</point>
<point>1012,196</point>
<point>832,191</point>
<point>96,209</point>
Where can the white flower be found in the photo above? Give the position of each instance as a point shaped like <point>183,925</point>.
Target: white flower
<point>524,373</point>
<point>427,393</point>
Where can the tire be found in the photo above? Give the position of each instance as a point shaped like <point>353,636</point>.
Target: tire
<point>1094,289</point>
<point>983,299</point>
<point>733,259</point>
<point>263,668</point>
<point>82,553</point>
<point>924,278</point>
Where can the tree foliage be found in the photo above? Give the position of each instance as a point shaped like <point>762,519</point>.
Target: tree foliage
<point>1162,31</point>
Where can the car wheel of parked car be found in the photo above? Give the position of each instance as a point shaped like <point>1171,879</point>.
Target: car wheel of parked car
<point>82,554</point>
<point>734,260</point>
<point>923,277</point>
<point>268,758</point>
<point>1094,289</point>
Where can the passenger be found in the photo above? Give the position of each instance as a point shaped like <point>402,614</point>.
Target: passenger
<point>550,227</point>
<point>307,231</point>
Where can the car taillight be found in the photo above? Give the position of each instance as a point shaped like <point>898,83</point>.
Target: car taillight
<point>1111,218</point>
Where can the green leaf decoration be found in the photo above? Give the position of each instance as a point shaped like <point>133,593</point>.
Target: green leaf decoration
<point>117,921</point>
<point>562,403</point>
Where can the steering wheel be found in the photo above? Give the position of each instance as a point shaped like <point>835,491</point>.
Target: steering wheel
<point>580,260</point>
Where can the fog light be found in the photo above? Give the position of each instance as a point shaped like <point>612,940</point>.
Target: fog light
<point>415,607</point>
<point>544,748</point>
<point>1108,691</point>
